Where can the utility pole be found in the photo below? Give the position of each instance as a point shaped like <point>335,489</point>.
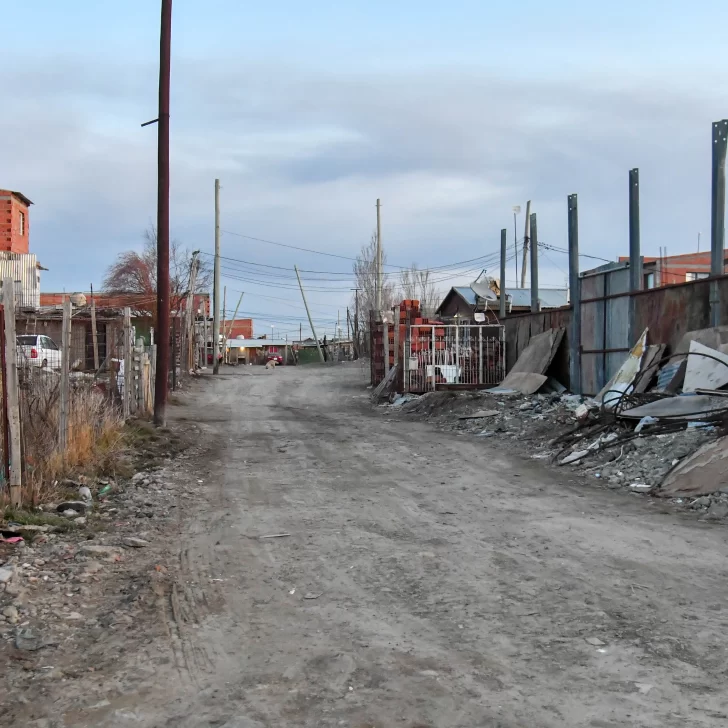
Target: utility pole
<point>348,329</point>
<point>223,348</point>
<point>235,315</point>
<point>189,336</point>
<point>516,210</point>
<point>378,297</point>
<point>308,313</point>
<point>356,322</point>
<point>526,237</point>
<point>504,250</point>
<point>162,373</point>
<point>216,285</point>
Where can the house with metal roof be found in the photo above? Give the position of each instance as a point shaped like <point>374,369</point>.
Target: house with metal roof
<point>463,302</point>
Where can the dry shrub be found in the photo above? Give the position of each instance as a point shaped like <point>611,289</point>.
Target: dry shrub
<point>95,441</point>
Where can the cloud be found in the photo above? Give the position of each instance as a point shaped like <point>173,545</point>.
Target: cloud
<point>303,155</point>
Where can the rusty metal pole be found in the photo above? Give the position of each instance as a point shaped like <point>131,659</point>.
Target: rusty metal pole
<point>162,373</point>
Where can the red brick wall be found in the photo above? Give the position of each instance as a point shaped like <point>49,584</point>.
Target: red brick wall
<point>11,208</point>
<point>241,327</point>
<point>676,267</point>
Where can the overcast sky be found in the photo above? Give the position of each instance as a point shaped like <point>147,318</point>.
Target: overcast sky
<point>450,112</point>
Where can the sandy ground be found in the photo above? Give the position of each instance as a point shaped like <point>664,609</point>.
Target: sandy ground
<point>427,581</point>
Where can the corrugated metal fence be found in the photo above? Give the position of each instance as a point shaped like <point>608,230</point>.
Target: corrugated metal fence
<point>612,319</point>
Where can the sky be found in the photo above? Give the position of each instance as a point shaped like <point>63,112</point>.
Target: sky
<point>451,113</point>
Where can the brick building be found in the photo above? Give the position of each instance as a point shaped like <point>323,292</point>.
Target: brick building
<point>14,222</point>
<point>240,327</point>
<point>671,269</point>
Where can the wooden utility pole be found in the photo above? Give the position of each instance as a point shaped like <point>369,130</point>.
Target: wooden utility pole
<point>94,334</point>
<point>216,286</point>
<point>10,376</point>
<point>235,315</point>
<point>356,321</point>
<point>378,297</point>
<point>162,373</point>
<point>526,237</point>
<point>189,336</point>
<point>308,313</point>
<point>126,399</point>
<point>223,348</point>
<point>65,376</point>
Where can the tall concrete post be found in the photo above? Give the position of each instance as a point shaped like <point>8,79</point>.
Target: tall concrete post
<point>575,292</point>
<point>535,304</point>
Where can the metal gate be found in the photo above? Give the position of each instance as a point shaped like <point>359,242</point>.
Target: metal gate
<point>440,356</point>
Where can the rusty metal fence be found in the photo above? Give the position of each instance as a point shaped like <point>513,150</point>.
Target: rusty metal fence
<point>446,356</point>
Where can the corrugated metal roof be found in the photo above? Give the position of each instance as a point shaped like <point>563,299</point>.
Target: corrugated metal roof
<point>549,297</point>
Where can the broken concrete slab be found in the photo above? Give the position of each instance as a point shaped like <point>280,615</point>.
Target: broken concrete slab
<point>479,414</point>
<point>704,471</point>
<point>622,381</point>
<point>520,383</point>
<point>706,368</point>
<point>539,353</point>
<point>650,364</point>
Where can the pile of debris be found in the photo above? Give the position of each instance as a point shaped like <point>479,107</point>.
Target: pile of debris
<point>657,427</point>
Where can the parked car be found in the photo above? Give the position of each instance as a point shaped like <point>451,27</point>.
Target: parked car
<point>38,350</point>
<point>274,356</point>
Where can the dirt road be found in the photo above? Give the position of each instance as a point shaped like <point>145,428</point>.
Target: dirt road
<point>426,581</point>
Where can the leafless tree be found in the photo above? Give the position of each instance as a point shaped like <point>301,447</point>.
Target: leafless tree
<point>135,273</point>
<point>365,273</point>
<point>416,284</point>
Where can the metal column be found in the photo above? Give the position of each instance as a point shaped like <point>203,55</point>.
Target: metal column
<point>575,293</point>
<point>535,307</point>
<point>504,244</point>
<point>717,217</point>
<point>635,261</point>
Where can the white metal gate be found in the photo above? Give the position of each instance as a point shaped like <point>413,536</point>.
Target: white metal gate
<point>439,356</point>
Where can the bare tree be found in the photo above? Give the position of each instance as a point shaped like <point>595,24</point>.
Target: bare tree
<point>135,273</point>
<point>365,273</point>
<point>416,284</point>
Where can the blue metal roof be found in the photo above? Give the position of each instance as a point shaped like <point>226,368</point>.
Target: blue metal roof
<point>467,293</point>
<point>549,297</point>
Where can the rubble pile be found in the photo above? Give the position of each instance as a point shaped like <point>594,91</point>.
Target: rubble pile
<point>567,431</point>
<point>81,571</point>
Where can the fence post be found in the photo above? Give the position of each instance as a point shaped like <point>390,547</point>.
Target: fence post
<point>65,376</point>
<point>10,376</point>
<point>575,292</point>
<point>94,333</point>
<point>385,329</point>
<point>717,217</point>
<point>535,304</point>
<point>126,399</point>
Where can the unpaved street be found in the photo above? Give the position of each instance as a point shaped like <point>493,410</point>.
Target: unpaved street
<point>427,581</point>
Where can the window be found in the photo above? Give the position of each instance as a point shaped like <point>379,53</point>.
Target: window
<point>21,224</point>
<point>695,276</point>
<point>649,280</point>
